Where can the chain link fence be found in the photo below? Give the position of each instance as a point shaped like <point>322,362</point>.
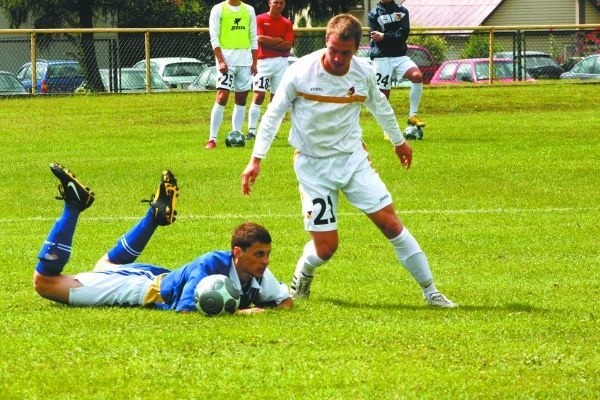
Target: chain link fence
<point>102,56</point>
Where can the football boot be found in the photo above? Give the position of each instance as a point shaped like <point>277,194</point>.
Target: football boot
<point>70,189</point>
<point>300,286</point>
<point>164,200</point>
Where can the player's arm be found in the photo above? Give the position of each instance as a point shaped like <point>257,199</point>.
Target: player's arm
<point>275,43</point>
<point>381,109</point>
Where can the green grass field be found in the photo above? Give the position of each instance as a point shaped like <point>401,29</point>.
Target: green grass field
<point>503,196</point>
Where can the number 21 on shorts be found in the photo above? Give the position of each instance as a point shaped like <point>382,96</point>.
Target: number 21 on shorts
<point>326,214</point>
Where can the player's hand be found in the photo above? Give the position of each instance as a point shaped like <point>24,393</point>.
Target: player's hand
<point>223,68</point>
<point>404,153</point>
<point>377,36</point>
<point>249,175</point>
<point>248,311</point>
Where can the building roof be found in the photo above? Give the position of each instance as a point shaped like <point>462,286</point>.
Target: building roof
<point>450,12</point>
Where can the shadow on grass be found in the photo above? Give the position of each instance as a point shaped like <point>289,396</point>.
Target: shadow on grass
<point>510,307</point>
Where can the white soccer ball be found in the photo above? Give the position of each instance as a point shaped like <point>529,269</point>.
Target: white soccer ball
<point>412,132</point>
<point>235,139</point>
<point>215,295</point>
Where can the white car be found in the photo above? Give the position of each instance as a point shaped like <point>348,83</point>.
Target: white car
<point>178,72</point>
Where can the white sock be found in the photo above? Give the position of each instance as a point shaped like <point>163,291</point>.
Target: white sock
<point>253,117</point>
<point>309,260</point>
<point>237,118</point>
<point>414,97</point>
<point>413,259</point>
<point>216,118</point>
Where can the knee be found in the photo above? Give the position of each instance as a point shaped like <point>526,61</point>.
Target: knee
<point>103,263</point>
<point>414,75</point>
<point>326,250</point>
<point>42,284</point>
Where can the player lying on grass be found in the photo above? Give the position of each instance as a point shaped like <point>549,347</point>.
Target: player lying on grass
<point>324,92</point>
<point>117,280</point>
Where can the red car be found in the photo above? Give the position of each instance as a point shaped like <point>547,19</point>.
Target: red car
<point>419,54</point>
<point>474,70</point>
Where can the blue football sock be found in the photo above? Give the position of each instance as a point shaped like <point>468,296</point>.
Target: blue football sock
<point>56,250</point>
<point>131,245</point>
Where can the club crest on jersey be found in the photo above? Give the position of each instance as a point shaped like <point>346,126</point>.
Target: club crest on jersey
<point>398,16</point>
<point>351,91</point>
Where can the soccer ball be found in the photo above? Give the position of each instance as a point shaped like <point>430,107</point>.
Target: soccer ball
<point>412,132</point>
<point>235,139</point>
<point>215,295</point>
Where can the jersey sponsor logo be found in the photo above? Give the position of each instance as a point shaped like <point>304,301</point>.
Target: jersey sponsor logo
<point>236,25</point>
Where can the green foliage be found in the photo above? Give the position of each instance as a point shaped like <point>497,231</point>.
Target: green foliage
<point>508,218</point>
<point>477,46</point>
<point>436,45</point>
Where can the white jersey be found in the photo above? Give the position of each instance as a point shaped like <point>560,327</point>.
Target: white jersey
<point>325,108</point>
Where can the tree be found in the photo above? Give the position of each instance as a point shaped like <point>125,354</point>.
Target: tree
<point>83,13</point>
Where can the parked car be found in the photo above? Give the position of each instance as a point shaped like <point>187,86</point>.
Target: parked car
<point>588,68</point>
<point>419,54</point>
<point>475,70</point>
<point>207,80</point>
<point>53,76</point>
<point>539,65</point>
<point>129,80</point>
<point>10,85</point>
<point>178,72</point>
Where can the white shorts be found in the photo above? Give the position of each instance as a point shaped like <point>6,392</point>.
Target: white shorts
<point>321,179</point>
<point>237,79</point>
<point>388,67</point>
<point>123,286</point>
<point>270,72</point>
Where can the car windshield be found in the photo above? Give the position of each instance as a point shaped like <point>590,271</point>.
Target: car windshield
<point>183,69</point>
<point>134,80</point>
<point>420,57</point>
<point>9,84</point>
<point>502,70</point>
<point>533,62</point>
<point>64,71</point>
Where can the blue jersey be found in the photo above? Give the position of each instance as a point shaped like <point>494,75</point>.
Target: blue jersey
<point>177,287</point>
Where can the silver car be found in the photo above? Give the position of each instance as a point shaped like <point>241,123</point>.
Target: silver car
<point>178,72</point>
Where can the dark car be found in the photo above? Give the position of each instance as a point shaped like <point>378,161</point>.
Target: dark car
<point>539,65</point>
<point>420,56</point>
<point>53,76</point>
<point>588,68</point>
<point>10,85</point>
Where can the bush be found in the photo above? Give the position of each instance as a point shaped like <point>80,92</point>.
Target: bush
<point>436,45</point>
<point>478,46</point>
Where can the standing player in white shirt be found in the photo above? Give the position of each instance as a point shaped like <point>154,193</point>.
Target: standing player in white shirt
<point>324,92</point>
<point>232,27</point>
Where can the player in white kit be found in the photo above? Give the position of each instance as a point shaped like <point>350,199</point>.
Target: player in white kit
<point>324,92</point>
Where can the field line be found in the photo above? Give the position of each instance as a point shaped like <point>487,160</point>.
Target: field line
<point>355,213</point>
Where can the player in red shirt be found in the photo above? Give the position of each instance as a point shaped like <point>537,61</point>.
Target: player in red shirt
<point>275,40</point>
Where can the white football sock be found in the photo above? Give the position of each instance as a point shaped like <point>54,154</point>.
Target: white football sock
<point>237,118</point>
<point>413,259</point>
<point>253,117</point>
<point>216,118</point>
<point>414,97</point>
<point>309,260</point>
